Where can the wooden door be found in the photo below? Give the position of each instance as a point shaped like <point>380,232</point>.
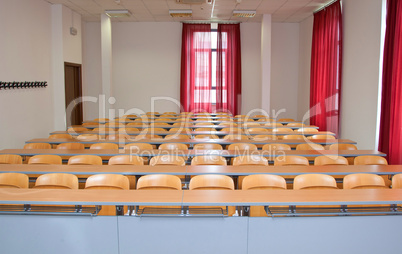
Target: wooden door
<point>73,90</point>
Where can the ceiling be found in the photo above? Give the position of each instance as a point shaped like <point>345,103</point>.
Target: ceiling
<point>158,10</point>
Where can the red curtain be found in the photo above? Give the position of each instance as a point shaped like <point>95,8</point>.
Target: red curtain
<point>391,104</point>
<point>195,82</point>
<point>228,69</point>
<point>326,68</point>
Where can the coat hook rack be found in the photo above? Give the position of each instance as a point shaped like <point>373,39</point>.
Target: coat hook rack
<point>23,84</point>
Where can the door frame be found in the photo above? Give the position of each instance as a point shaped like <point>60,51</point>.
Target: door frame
<point>81,110</point>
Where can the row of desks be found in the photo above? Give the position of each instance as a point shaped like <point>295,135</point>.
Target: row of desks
<point>200,197</point>
<point>130,170</point>
<point>311,154</point>
<point>194,141</point>
<point>217,127</point>
<point>193,133</point>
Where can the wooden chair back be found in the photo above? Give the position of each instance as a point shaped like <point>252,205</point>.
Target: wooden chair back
<point>60,136</point>
<point>322,137</point>
<point>57,181</point>
<point>242,146</point>
<point>138,147</point>
<point>159,182</point>
<point>107,181</point>
<point>342,147</point>
<point>250,160</point>
<point>85,160</point>
<point>314,181</point>
<point>73,146</point>
<point>276,147</point>
<point>173,146</point>
<point>10,159</point>
<point>263,182</point>
<point>167,160</point>
<point>211,182</point>
<point>45,159</point>
<point>208,146</point>
<point>397,181</point>
<point>209,160</point>
<point>309,146</point>
<point>363,181</point>
<point>370,160</point>
<point>126,160</point>
<point>206,136</point>
<point>330,160</point>
<point>86,137</point>
<point>14,180</point>
<point>104,146</point>
<point>291,160</point>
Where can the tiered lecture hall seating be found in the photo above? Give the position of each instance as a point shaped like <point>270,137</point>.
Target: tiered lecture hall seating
<point>175,165</point>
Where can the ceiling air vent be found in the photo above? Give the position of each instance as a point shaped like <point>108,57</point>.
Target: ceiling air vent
<point>191,1</point>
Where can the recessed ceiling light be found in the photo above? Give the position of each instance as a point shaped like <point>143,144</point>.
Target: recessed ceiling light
<point>181,13</point>
<point>118,13</point>
<point>244,14</point>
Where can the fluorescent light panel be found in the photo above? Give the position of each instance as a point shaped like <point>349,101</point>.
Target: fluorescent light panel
<point>118,13</point>
<point>244,14</point>
<point>181,13</point>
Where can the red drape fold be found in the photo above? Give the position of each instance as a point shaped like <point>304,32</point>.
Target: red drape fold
<point>228,69</point>
<point>326,68</point>
<point>195,81</point>
<point>390,138</point>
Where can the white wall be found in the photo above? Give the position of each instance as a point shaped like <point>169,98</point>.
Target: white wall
<point>361,69</point>
<point>146,63</point>
<point>305,43</point>
<point>25,53</point>
<point>285,69</point>
<point>91,68</point>
<point>72,44</point>
<point>251,66</point>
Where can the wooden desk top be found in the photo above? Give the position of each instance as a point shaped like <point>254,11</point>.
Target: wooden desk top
<point>200,197</point>
<point>311,154</point>
<point>333,170</point>
<point>218,133</point>
<point>195,141</point>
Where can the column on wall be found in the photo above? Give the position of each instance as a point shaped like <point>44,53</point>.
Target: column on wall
<point>266,61</point>
<point>106,55</point>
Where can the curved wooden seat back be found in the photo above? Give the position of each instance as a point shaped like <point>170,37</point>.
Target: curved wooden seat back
<point>46,159</point>
<point>242,146</point>
<point>10,159</point>
<point>71,146</point>
<point>250,160</point>
<point>370,160</point>
<point>309,146</point>
<point>397,181</point>
<point>138,147</point>
<point>57,181</point>
<point>90,124</point>
<point>236,137</point>
<point>208,146</point>
<point>286,120</point>
<point>330,160</point>
<point>85,160</point>
<point>257,130</point>
<point>121,137</point>
<point>60,136</point>
<point>264,137</point>
<point>14,180</point>
<point>126,130</point>
<point>211,182</point>
<point>291,136</point>
<point>167,160</point>
<point>263,182</point>
<point>307,130</point>
<point>276,147</point>
<point>208,160</point>
<point>107,181</point>
<point>85,137</point>
<point>104,146</point>
<point>284,129</point>
<point>38,146</point>
<point>173,146</point>
<point>291,160</point>
<point>314,181</point>
<point>159,182</point>
<point>363,181</point>
<point>126,160</point>
<point>275,125</point>
<point>101,120</point>
<point>295,125</point>
<point>77,129</point>
<point>206,136</point>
